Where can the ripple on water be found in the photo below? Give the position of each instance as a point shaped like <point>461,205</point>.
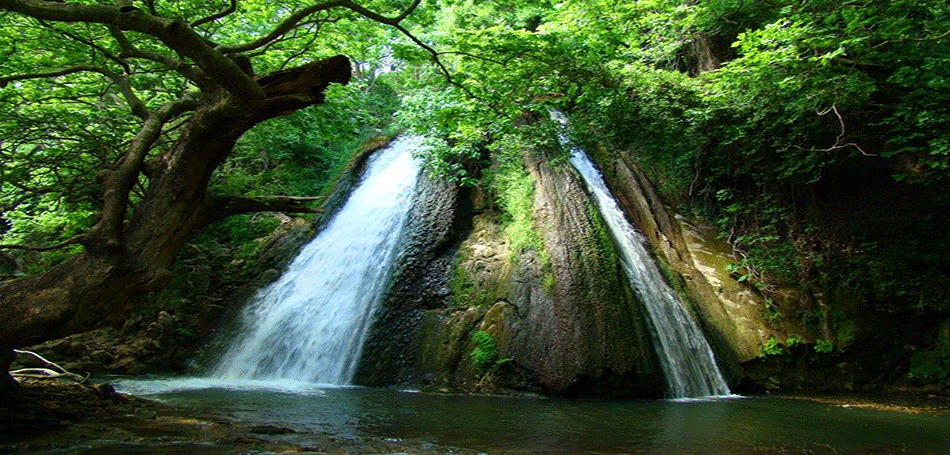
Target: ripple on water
<point>163,386</point>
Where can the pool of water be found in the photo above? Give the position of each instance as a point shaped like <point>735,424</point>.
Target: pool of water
<point>545,425</point>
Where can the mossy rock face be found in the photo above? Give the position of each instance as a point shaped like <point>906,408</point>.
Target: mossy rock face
<point>483,265</point>
<point>439,218</point>
<point>558,310</point>
<point>479,285</point>
<point>583,324</point>
<point>497,323</point>
<point>733,315</point>
<point>733,309</point>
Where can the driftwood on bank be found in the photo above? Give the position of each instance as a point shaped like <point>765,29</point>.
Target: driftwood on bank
<point>51,370</point>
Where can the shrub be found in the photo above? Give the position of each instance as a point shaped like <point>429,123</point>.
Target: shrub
<point>485,353</point>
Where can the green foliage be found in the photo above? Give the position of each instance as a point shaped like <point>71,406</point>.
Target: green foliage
<point>454,147</point>
<point>932,365</point>
<point>485,353</point>
<point>771,312</point>
<point>784,123</point>
<point>824,346</point>
<point>772,346</point>
<point>794,340</point>
<point>515,189</point>
<point>462,286</point>
<point>62,134</point>
<point>804,95</point>
<point>807,95</point>
<point>929,366</point>
<point>302,153</point>
<point>845,331</point>
<point>45,222</point>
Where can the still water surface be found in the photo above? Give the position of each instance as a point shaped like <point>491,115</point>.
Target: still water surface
<point>543,425</point>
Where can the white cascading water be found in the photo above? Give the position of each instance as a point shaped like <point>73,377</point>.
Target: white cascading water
<point>310,324</point>
<point>687,360</point>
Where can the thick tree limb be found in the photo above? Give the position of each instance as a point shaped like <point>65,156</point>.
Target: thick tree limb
<point>119,181</point>
<point>292,89</point>
<point>130,51</point>
<point>174,33</point>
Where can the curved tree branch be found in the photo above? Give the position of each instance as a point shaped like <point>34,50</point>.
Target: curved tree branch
<point>285,26</point>
<point>72,241</point>
<point>204,20</point>
<point>4,80</point>
<point>395,22</point>
<point>54,370</point>
<point>476,57</point>
<point>109,55</point>
<point>297,17</point>
<point>349,4</point>
<point>135,104</point>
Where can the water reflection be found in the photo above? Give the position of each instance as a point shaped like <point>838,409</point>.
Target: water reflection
<point>530,425</point>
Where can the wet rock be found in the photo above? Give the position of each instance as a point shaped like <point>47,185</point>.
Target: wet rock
<point>439,218</point>
<point>270,430</point>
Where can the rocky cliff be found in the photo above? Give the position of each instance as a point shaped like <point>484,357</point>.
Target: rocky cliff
<point>732,313</point>
<point>558,315</point>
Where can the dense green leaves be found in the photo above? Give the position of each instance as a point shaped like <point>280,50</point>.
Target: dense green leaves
<point>73,96</point>
<point>815,134</point>
<point>302,153</point>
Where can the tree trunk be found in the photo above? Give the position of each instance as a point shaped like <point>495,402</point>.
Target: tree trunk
<point>94,289</point>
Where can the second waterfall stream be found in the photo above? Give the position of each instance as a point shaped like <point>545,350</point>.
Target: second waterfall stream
<point>688,363</point>
<point>310,324</point>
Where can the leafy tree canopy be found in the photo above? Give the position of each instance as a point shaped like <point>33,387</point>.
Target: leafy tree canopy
<point>814,133</point>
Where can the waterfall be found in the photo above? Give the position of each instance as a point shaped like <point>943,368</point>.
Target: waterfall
<point>311,323</point>
<point>687,360</point>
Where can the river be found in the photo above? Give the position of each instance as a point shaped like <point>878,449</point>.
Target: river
<point>532,425</point>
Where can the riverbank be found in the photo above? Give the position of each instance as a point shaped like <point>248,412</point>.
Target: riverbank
<point>905,403</point>
<point>69,418</point>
